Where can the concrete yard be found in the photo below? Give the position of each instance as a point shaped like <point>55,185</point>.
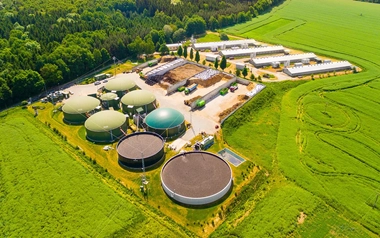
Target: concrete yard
<point>203,120</point>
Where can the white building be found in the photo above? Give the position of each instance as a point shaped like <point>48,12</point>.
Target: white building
<point>212,58</point>
<point>253,51</point>
<point>265,61</point>
<point>318,68</point>
<point>214,46</point>
<point>174,46</point>
<point>240,66</point>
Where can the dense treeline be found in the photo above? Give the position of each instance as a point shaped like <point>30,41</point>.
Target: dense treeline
<point>53,42</point>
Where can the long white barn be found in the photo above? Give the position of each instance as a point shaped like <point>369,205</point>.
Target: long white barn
<point>265,61</point>
<point>253,51</point>
<point>318,68</point>
<point>224,44</point>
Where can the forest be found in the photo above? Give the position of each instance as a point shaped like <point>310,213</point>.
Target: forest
<point>47,43</point>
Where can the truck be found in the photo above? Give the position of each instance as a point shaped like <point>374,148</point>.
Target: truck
<point>152,63</point>
<point>191,88</point>
<point>207,142</point>
<point>233,87</point>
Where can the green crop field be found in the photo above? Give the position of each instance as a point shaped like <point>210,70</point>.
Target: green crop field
<point>322,136</point>
<point>45,192</point>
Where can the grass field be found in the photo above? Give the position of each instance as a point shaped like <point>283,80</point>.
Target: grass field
<point>45,192</point>
<point>323,136</point>
<point>214,36</point>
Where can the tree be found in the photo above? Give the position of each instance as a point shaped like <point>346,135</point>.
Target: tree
<point>245,72</point>
<point>259,78</point>
<point>252,77</point>
<point>180,51</point>
<point>195,25</point>
<point>179,35</point>
<point>105,55</point>
<point>213,23</point>
<point>223,36</point>
<point>185,52</point>
<point>197,56</point>
<point>164,50</point>
<point>223,63</point>
<point>216,63</point>
<point>97,57</point>
<point>191,54</point>
<point>238,72</point>
<point>51,74</point>
<point>204,62</point>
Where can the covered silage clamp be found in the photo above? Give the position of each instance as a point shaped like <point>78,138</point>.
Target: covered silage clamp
<point>167,122</point>
<point>138,99</point>
<point>76,110</point>
<point>120,85</point>
<point>106,126</point>
<point>110,100</point>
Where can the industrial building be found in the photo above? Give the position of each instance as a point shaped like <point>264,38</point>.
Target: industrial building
<point>196,178</point>
<point>215,46</point>
<point>76,110</point>
<point>167,122</point>
<point>252,52</point>
<point>106,126</point>
<point>318,68</point>
<point>110,100</point>
<point>174,46</point>
<point>212,57</point>
<point>138,148</point>
<point>166,67</point>
<point>120,85</point>
<point>266,61</point>
<point>138,101</point>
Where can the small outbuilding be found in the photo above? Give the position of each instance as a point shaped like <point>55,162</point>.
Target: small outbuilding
<point>76,110</point>
<point>106,126</point>
<point>167,122</point>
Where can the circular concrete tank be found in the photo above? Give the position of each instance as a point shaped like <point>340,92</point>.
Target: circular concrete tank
<point>133,148</point>
<point>196,178</point>
<point>76,109</point>
<point>106,126</point>
<point>167,122</point>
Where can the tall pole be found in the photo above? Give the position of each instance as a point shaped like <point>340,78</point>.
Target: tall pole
<point>114,64</point>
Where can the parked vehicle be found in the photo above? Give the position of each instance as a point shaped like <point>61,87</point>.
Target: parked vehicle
<point>191,88</point>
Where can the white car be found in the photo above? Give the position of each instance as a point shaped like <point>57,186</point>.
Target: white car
<point>97,83</point>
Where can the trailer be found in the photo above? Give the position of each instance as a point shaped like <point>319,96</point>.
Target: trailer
<point>207,142</point>
<point>152,63</point>
<point>191,88</point>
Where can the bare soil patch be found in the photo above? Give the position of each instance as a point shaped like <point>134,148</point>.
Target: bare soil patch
<point>180,73</point>
<point>301,218</point>
<point>210,81</point>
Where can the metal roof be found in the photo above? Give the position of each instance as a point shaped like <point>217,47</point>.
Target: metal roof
<point>282,58</point>
<point>108,96</point>
<point>138,98</point>
<point>105,121</point>
<point>324,67</point>
<point>120,84</point>
<point>222,43</point>
<point>80,104</point>
<point>248,51</point>
<point>164,118</point>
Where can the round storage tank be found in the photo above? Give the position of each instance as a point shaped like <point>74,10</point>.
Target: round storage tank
<point>106,126</point>
<point>133,148</point>
<point>196,178</point>
<point>76,109</point>
<point>167,122</point>
<point>138,99</point>
<point>120,85</point>
<point>110,100</point>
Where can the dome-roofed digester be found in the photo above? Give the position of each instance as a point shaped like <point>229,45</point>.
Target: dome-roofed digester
<point>133,148</point>
<point>120,86</point>
<point>110,100</point>
<point>106,126</point>
<point>196,178</point>
<point>76,109</point>
<point>138,99</point>
<point>167,122</point>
